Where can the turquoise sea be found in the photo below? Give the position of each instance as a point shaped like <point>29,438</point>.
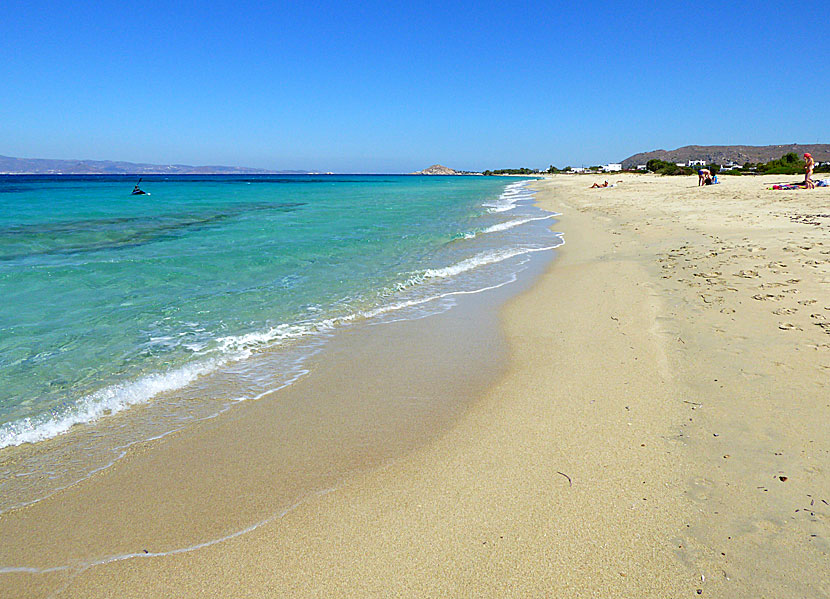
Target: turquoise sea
<point>212,290</point>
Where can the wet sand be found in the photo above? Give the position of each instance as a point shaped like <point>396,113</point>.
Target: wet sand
<point>660,430</point>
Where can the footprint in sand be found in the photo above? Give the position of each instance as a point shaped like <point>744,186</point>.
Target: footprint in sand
<point>767,296</point>
<point>807,302</point>
<point>781,311</point>
<point>767,526</point>
<point>788,326</point>
<point>703,482</point>
<point>747,274</point>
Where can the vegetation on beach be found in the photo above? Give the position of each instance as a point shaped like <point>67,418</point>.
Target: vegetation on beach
<point>661,167</point>
<point>789,164</point>
<point>513,171</point>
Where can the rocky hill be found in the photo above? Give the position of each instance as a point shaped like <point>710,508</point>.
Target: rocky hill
<point>437,169</point>
<point>724,154</point>
<point>44,166</point>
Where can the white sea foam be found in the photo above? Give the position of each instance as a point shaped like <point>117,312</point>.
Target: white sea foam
<point>513,223</point>
<point>511,195</point>
<point>507,225</point>
<point>481,259</point>
<point>109,400</point>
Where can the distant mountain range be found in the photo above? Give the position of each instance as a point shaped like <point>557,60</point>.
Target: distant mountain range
<point>45,166</point>
<point>724,154</point>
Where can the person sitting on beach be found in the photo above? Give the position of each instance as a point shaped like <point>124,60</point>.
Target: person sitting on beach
<point>597,185</point>
<point>704,176</point>
<point>808,170</point>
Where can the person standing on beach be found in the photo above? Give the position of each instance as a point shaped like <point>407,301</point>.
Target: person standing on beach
<point>704,175</point>
<point>808,170</point>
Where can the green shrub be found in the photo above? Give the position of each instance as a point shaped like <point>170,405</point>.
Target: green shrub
<point>788,164</point>
<point>513,171</point>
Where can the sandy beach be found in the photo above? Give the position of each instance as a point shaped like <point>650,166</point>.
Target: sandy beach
<point>658,426</point>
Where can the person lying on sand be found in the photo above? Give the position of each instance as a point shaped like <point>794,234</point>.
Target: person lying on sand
<point>597,185</point>
<point>808,170</point>
<point>704,175</point>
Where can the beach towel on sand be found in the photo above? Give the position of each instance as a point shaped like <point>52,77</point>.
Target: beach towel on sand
<point>787,186</point>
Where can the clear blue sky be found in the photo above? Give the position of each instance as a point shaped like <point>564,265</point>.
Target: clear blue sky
<point>376,87</point>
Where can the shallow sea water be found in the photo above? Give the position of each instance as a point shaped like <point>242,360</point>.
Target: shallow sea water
<point>214,290</point>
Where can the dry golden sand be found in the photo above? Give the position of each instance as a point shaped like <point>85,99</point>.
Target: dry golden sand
<point>661,430</point>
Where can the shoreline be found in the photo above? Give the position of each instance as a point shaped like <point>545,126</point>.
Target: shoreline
<point>362,407</point>
<point>660,428</point>
<point>164,400</point>
<point>366,403</point>
<point>482,509</point>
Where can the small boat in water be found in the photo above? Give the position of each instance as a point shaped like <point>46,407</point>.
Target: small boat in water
<point>137,191</point>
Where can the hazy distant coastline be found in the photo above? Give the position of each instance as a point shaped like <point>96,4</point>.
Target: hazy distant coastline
<point>45,166</point>
<point>721,155</point>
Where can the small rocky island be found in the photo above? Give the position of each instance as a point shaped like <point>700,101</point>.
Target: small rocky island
<point>438,169</point>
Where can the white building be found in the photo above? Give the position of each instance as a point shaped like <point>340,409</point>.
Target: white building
<point>577,169</point>
<point>641,167</point>
<point>613,167</point>
<point>695,163</point>
<point>680,164</point>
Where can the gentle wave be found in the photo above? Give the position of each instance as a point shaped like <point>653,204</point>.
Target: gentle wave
<point>482,259</point>
<point>508,225</point>
<point>118,397</point>
<point>510,197</point>
<point>109,400</point>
